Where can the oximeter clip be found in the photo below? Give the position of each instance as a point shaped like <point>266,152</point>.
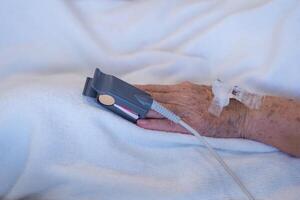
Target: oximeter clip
<point>118,96</point>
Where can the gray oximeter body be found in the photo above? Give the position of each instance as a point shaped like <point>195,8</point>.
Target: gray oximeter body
<point>118,96</point>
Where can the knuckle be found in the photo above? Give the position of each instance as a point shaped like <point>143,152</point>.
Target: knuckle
<point>189,87</point>
<point>186,84</point>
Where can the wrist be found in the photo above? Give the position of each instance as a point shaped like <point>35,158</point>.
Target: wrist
<point>237,117</point>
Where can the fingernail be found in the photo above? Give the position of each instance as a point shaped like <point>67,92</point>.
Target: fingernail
<point>142,122</point>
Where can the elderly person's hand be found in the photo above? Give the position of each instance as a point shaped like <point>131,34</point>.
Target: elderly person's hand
<point>191,102</point>
<point>276,123</point>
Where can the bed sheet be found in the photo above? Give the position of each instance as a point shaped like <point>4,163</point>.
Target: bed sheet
<point>56,144</point>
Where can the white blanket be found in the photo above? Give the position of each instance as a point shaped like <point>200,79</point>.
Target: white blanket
<point>56,144</point>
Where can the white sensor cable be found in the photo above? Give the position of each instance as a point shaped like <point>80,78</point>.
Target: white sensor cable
<point>176,119</point>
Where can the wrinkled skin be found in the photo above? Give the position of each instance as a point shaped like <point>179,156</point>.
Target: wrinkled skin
<point>191,102</point>
<point>276,122</point>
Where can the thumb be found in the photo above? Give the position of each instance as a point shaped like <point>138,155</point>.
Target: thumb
<point>161,125</point>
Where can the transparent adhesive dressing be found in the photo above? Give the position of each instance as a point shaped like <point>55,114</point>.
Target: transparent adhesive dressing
<point>224,92</point>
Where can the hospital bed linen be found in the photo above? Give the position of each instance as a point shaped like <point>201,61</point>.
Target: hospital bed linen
<point>57,144</point>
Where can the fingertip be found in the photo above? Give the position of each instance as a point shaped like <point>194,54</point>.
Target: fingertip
<point>141,122</point>
<point>161,125</point>
<point>152,124</point>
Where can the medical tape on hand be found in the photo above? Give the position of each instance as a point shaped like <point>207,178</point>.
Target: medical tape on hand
<point>223,93</point>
